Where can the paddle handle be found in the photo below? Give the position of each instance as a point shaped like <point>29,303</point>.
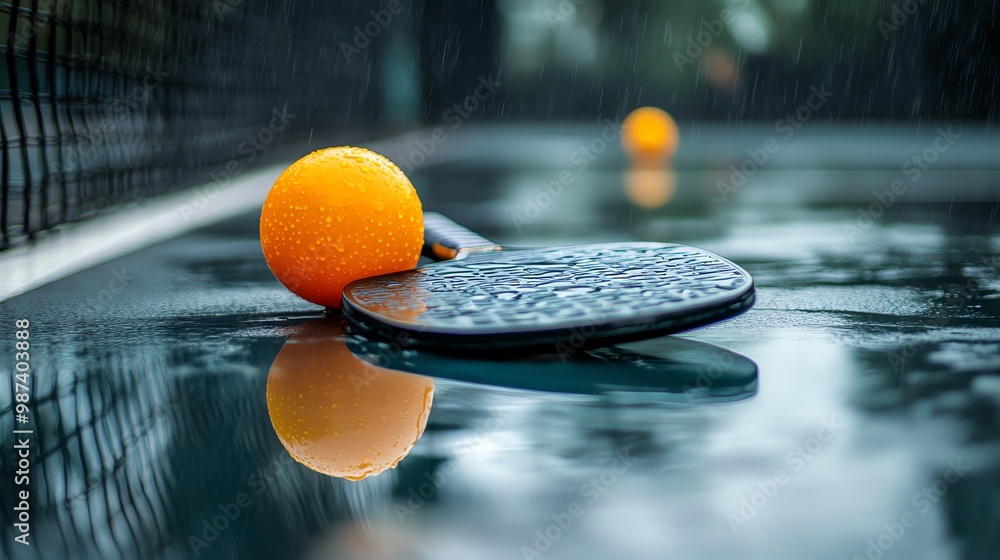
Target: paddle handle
<point>445,239</point>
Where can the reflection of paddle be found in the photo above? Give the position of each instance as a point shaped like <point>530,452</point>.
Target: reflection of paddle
<point>669,369</point>
<point>489,298</point>
<point>338,414</point>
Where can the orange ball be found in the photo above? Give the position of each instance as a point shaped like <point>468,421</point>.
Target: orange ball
<point>339,415</point>
<point>338,215</point>
<point>650,135</point>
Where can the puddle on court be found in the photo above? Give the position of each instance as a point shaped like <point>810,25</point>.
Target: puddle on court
<point>861,388</point>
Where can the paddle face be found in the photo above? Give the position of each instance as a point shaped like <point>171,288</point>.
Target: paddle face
<point>536,299</point>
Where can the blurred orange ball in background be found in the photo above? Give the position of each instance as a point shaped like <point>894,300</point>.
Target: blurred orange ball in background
<point>337,215</point>
<point>650,136</point>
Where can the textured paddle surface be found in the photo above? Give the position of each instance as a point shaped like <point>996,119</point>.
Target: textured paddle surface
<point>542,289</point>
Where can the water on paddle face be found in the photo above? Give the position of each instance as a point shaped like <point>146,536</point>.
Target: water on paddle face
<point>598,286</point>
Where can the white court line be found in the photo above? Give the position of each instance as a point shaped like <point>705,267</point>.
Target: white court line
<point>78,246</point>
<point>81,245</point>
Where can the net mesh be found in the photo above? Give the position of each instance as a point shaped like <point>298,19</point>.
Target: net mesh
<point>116,447</point>
<point>106,102</point>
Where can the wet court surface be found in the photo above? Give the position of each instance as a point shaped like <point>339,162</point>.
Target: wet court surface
<point>852,412</point>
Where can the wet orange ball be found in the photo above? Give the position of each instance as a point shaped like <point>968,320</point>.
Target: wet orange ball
<point>339,415</point>
<point>650,135</point>
<point>338,215</point>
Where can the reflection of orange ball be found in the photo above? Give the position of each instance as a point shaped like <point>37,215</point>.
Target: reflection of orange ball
<point>650,187</point>
<point>338,215</point>
<point>336,413</point>
<point>650,134</point>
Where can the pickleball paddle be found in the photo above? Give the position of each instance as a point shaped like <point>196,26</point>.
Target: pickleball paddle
<point>483,297</point>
